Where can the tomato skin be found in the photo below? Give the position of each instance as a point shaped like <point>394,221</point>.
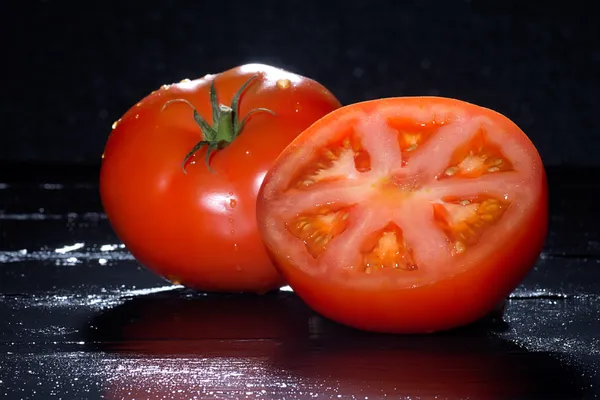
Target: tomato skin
<point>448,302</point>
<point>199,228</point>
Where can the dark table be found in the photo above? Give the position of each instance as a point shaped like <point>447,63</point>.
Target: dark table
<point>82,320</point>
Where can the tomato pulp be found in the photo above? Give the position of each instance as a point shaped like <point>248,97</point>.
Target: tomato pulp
<point>406,215</point>
<point>196,225</point>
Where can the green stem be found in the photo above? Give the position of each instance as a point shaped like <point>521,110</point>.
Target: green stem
<point>226,122</point>
<point>225,128</point>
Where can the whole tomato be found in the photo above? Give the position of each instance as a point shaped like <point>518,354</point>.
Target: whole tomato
<point>182,168</point>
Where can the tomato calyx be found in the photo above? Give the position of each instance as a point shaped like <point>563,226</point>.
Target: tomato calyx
<point>226,122</point>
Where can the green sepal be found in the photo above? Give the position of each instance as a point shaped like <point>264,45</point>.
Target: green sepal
<point>226,123</point>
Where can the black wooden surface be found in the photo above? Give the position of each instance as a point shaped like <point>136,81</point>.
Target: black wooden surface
<point>80,319</point>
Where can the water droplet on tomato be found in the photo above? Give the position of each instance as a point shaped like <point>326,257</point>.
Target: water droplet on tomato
<point>116,123</point>
<point>283,83</point>
<point>137,116</point>
<point>238,267</point>
<point>232,203</point>
<point>232,232</point>
<point>235,247</point>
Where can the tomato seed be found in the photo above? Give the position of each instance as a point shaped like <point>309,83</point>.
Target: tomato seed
<point>451,171</point>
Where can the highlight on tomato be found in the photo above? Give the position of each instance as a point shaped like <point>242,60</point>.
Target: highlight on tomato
<point>182,168</point>
<point>406,215</point>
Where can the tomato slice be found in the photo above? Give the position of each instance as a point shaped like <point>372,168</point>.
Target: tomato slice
<point>412,214</point>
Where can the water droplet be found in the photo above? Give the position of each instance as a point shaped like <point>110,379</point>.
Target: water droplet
<point>235,247</point>
<point>138,104</point>
<point>232,232</point>
<point>165,87</point>
<point>137,116</point>
<point>186,80</point>
<point>232,203</point>
<point>283,83</point>
<point>238,267</point>
<point>116,123</point>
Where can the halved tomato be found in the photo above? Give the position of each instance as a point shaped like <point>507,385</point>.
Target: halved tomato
<point>405,215</point>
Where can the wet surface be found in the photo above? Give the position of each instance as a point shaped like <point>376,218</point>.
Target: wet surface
<point>82,320</point>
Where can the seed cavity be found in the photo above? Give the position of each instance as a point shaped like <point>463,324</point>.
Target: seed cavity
<point>477,157</point>
<point>338,160</point>
<point>318,229</point>
<point>412,135</point>
<point>465,220</point>
<point>387,250</point>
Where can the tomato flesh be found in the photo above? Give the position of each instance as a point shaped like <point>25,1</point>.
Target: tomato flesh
<point>406,214</point>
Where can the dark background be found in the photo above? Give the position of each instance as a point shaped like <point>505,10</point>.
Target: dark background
<point>72,68</point>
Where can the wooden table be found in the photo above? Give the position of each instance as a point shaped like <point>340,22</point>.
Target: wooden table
<point>82,320</point>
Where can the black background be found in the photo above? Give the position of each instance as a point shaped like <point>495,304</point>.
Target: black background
<point>72,68</point>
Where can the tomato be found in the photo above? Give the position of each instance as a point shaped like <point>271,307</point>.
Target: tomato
<point>180,192</point>
<point>406,215</point>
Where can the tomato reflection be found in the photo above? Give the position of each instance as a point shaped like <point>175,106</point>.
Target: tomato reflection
<point>472,363</point>
<point>179,345</point>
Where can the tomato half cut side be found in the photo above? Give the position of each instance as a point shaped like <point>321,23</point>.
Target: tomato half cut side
<point>406,215</point>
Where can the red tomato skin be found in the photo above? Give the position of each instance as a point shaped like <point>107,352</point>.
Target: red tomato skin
<point>456,301</point>
<point>199,229</point>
